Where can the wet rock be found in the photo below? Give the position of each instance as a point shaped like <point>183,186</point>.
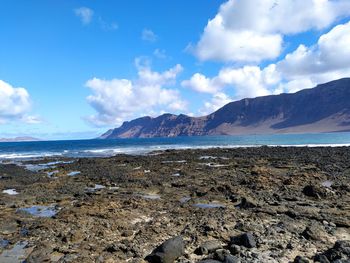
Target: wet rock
<point>314,191</point>
<point>208,247</point>
<point>321,259</point>
<point>299,259</point>
<point>220,254</point>
<point>167,252</point>
<point>209,261</point>
<point>340,251</point>
<point>234,249</point>
<point>247,203</point>
<point>313,232</point>
<point>247,240</point>
<point>231,259</point>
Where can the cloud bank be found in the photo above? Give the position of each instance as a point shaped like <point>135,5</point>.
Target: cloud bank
<point>119,99</point>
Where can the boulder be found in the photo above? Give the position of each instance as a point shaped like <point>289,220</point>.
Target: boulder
<point>208,247</point>
<point>168,251</point>
<point>247,240</point>
<point>299,259</point>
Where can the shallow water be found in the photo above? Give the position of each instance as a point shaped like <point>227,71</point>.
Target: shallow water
<point>10,192</point>
<point>102,148</point>
<point>95,188</point>
<point>17,254</point>
<point>40,210</point>
<point>185,199</point>
<point>4,243</point>
<point>150,196</point>
<point>73,173</point>
<point>210,205</point>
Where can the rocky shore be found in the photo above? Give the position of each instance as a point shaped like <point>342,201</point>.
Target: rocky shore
<point>215,205</point>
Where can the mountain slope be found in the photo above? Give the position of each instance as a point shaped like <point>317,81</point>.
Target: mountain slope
<point>325,108</point>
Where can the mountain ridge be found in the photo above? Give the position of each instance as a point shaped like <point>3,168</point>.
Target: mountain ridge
<point>324,108</point>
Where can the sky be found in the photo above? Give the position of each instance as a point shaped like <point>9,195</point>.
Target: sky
<point>74,69</point>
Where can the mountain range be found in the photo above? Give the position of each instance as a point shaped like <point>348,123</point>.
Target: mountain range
<point>325,108</point>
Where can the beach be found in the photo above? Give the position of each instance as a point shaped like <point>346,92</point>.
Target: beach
<point>255,204</point>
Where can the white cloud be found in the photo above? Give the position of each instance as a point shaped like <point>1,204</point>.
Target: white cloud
<point>217,101</point>
<point>15,104</point>
<point>304,68</point>
<point>117,100</point>
<point>148,35</point>
<point>201,83</point>
<point>252,31</point>
<point>85,14</point>
<point>248,81</point>
<point>331,53</point>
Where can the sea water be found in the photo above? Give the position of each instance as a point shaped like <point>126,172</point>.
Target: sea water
<point>102,148</point>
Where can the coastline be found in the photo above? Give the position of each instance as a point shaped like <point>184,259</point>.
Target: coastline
<point>294,201</point>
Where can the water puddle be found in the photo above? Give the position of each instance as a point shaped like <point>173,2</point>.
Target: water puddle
<point>206,157</point>
<point>40,210</point>
<point>4,243</point>
<point>150,196</point>
<point>43,166</point>
<point>210,205</point>
<point>10,192</point>
<point>96,188</point>
<point>73,173</point>
<point>176,174</point>
<point>17,254</point>
<point>327,183</point>
<point>180,161</point>
<point>52,173</point>
<point>214,165</point>
<point>185,199</point>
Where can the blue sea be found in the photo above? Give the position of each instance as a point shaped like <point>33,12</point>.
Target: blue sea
<point>103,148</point>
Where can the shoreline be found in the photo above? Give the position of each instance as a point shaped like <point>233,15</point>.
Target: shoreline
<point>293,200</point>
<point>113,152</point>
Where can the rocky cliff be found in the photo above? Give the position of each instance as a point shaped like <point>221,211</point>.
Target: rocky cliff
<point>325,108</point>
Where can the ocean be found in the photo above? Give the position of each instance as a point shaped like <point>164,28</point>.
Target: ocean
<point>104,148</point>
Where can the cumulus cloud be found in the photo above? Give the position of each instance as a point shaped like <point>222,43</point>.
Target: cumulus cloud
<point>248,81</point>
<point>301,69</point>
<point>201,83</point>
<point>148,35</point>
<point>117,100</point>
<point>331,53</point>
<point>15,104</point>
<point>242,33</point>
<point>217,101</point>
<point>85,14</point>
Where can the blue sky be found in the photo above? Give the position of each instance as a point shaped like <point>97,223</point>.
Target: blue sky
<point>73,69</point>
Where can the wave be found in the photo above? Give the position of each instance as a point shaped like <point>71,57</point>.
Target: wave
<point>140,150</point>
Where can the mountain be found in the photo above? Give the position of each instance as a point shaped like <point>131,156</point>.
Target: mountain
<point>19,139</point>
<point>325,108</point>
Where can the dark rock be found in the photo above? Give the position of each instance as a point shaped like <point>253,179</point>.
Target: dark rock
<point>312,232</point>
<point>247,203</point>
<point>314,191</point>
<point>231,259</point>
<point>235,249</point>
<point>340,252</point>
<point>246,239</point>
<point>208,247</point>
<point>299,259</point>
<point>220,254</point>
<point>321,258</point>
<point>168,252</point>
